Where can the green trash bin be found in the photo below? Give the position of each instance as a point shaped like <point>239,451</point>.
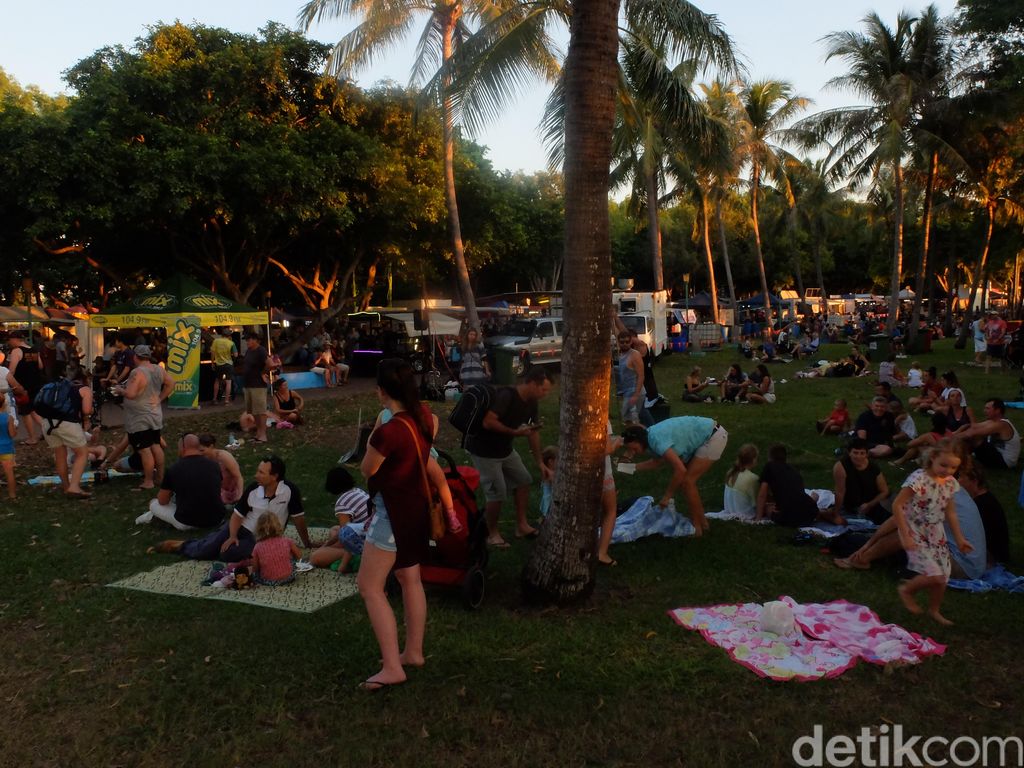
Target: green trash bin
<point>879,348</point>
<point>506,360</point>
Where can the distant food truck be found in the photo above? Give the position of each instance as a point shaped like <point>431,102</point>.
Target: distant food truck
<point>647,313</point>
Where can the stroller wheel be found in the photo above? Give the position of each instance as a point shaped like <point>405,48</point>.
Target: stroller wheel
<point>473,588</point>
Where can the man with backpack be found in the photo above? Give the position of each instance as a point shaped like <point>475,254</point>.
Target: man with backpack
<point>65,406</point>
<point>510,413</point>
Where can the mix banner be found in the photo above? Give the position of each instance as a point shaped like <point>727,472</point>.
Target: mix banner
<point>184,308</point>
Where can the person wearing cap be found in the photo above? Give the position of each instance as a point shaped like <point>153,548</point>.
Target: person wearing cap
<point>147,386</point>
<point>689,445</point>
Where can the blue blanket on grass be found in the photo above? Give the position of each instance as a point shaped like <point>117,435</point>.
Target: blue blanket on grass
<point>996,577</point>
<point>645,518</point>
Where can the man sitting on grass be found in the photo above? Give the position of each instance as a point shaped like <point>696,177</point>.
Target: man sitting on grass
<point>189,494</point>
<point>234,540</point>
<point>878,427</point>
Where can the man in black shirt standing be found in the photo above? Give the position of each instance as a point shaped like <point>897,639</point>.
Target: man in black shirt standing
<point>255,363</point>
<point>189,494</point>
<point>512,413</point>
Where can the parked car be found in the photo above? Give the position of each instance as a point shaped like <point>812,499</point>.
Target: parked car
<point>535,341</point>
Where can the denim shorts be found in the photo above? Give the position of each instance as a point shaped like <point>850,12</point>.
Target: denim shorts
<point>379,531</point>
<point>351,540</point>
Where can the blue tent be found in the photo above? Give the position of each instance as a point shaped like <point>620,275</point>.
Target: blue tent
<point>758,301</point>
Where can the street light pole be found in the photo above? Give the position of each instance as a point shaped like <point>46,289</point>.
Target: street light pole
<point>686,300</point>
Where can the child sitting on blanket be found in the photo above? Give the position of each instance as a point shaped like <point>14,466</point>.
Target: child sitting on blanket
<point>8,429</point>
<point>274,556</point>
<point>549,456</point>
<point>837,422</point>
<point>352,510</point>
<point>741,484</point>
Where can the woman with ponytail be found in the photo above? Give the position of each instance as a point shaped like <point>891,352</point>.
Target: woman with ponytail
<point>741,484</point>
<point>398,533</point>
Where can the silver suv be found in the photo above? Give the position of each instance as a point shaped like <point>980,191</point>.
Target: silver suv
<point>536,342</point>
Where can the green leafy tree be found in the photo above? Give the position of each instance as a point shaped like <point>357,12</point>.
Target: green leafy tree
<point>448,25</point>
<point>221,150</point>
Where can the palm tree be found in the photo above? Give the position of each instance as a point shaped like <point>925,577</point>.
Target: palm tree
<point>562,565</point>
<point>647,132</point>
<point>657,107</point>
<point>815,205</point>
<point>385,24</point>
<point>997,188</point>
<point>721,99</point>
<point>768,106</point>
<point>934,65</point>
<point>885,67</point>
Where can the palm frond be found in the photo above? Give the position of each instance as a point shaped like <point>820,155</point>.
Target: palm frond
<point>500,61</point>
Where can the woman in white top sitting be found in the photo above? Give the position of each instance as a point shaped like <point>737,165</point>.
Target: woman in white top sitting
<point>741,484</point>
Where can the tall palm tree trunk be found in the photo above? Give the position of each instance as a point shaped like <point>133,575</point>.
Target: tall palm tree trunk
<point>797,268</point>
<point>816,251</point>
<point>712,287</point>
<point>454,225</point>
<point>757,245</point>
<point>725,256</point>
<point>562,565</point>
<point>654,226</point>
<point>979,275</point>
<point>922,262</point>
<point>897,249</point>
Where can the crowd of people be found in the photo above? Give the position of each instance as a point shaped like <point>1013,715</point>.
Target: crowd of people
<point>942,517</point>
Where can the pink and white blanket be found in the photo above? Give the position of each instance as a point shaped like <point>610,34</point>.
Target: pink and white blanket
<point>832,637</point>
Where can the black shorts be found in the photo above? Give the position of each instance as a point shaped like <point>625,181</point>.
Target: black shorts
<point>224,372</point>
<point>996,350</point>
<point>144,439</point>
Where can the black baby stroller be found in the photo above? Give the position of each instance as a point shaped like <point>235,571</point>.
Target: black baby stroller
<point>459,559</point>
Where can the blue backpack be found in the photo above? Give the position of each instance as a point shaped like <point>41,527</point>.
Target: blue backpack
<point>58,401</point>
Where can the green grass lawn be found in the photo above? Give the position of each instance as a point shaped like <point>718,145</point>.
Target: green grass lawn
<point>106,677</point>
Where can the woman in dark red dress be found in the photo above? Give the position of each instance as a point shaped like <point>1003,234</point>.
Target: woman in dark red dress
<point>398,534</point>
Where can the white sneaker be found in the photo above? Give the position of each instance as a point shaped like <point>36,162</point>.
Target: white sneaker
<point>144,519</point>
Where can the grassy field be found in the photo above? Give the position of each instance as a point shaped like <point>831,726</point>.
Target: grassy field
<point>94,676</point>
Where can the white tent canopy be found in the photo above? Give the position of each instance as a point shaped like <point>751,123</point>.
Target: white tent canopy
<point>440,323</point>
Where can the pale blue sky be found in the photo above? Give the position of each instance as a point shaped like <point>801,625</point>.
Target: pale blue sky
<point>39,40</point>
